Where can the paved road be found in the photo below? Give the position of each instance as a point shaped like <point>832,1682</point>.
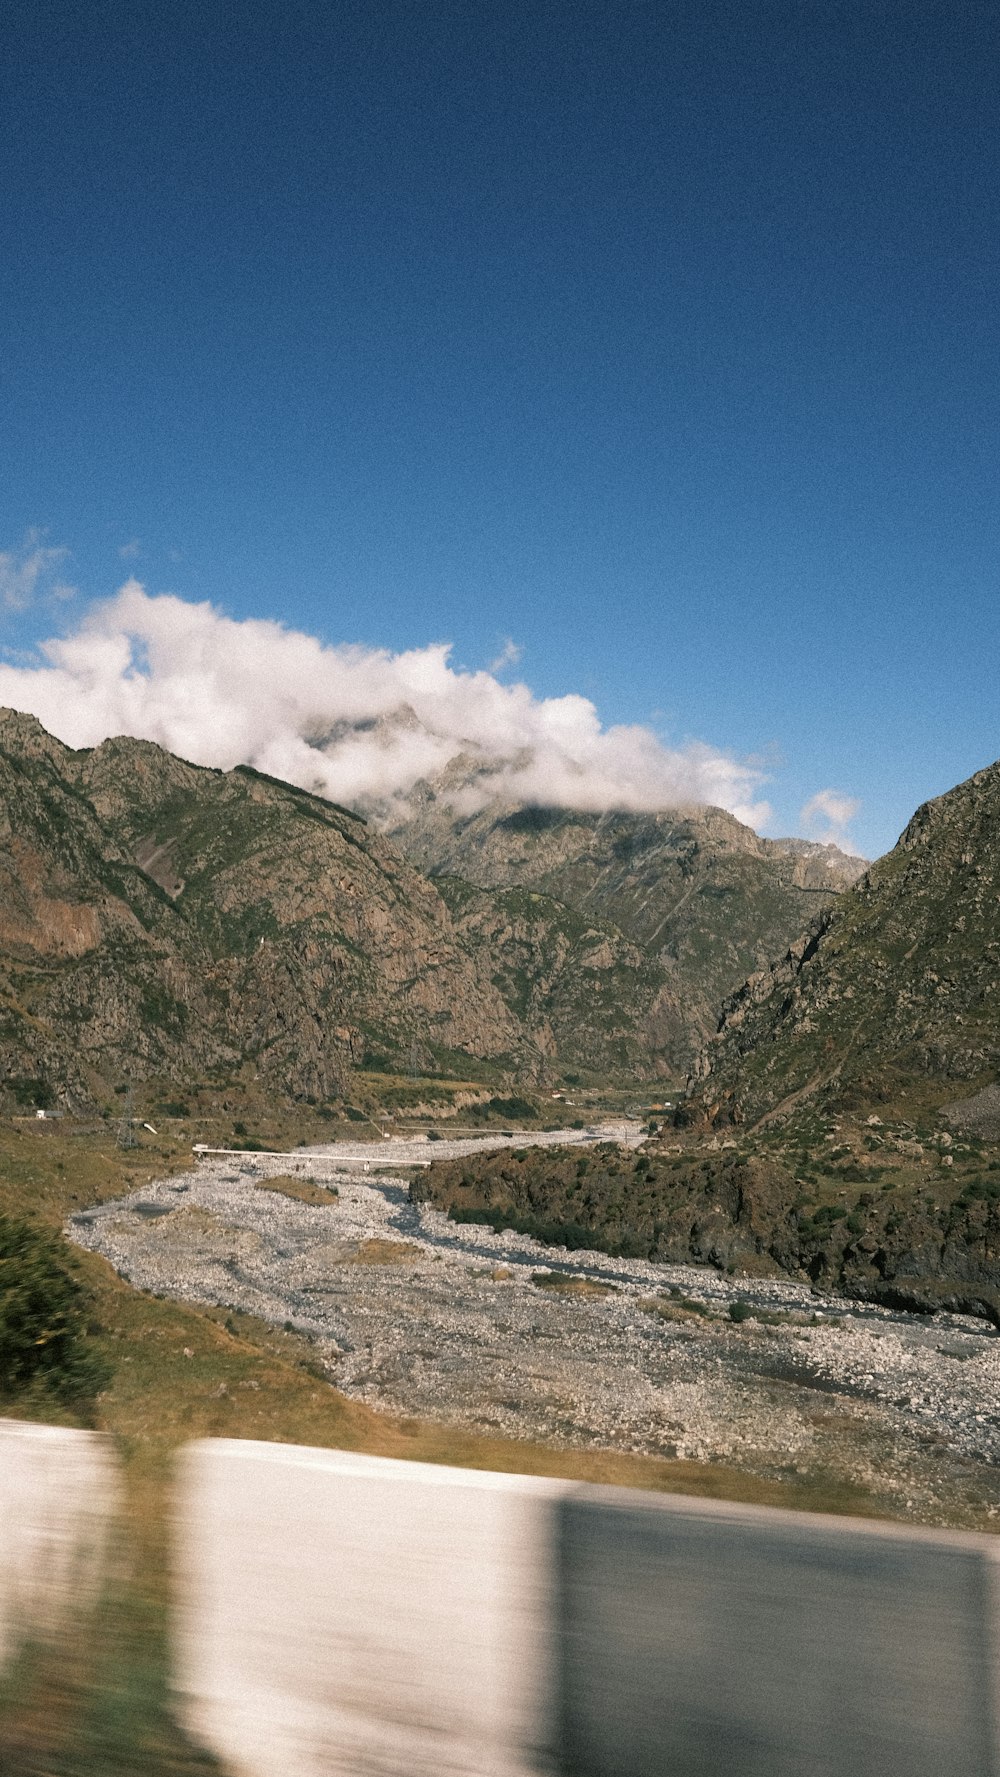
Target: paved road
<point>406,1151</point>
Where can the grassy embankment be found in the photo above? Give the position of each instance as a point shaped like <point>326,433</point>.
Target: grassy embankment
<point>99,1704</point>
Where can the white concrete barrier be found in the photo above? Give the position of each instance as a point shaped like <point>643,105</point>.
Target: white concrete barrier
<point>708,1640</point>
<point>59,1494</point>
<point>346,1614</point>
<point>341,1614</point>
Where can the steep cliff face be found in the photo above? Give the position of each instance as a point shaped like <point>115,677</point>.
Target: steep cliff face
<point>590,1000</point>
<point>701,897</point>
<point>165,918</point>
<point>898,982</point>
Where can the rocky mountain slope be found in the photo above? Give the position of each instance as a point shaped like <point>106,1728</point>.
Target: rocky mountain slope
<point>687,903</point>
<point>591,999</point>
<point>170,920</point>
<point>898,983</point>
<point>162,918</point>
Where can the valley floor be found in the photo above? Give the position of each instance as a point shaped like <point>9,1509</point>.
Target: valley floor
<point>415,1314</point>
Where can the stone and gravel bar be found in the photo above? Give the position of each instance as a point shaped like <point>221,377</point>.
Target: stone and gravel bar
<point>422,1316</point>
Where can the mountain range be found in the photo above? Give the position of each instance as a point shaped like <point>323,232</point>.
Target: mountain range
<point>163,919</point>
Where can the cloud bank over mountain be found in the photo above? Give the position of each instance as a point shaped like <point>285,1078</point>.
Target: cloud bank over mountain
<point>355,723</point>
<point>827,817</point>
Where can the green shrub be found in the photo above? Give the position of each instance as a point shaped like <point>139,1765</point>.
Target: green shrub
<point>987,1190</point>
<point>830,1212</point>
<point>512,1107</point>
<point>740,1311</point>
<point>43,1310</point>
<point>34,1092</point>
<point>680,1300</point>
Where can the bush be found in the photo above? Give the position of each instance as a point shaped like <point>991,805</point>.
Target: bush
<point>830,1212</point>
<point>740,1311</point>
<point>514,1107</point>
<point>43,1309</point>
<point>34,1092</point>
<point>986,1190</point>
<point>688,1303</point>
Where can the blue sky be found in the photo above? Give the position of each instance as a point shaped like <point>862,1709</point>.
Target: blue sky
<point>661,339</point>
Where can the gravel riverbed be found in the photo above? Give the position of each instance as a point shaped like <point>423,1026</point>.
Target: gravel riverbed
<point>422,1316</point>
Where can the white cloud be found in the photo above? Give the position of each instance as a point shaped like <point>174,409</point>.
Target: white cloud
<point>27,572</point>
<point>350,721</point>
<point>509,655</point>
<point>827,816</point>
<point>130,551</point>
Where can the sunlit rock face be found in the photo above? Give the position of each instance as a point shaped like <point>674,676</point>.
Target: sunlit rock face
<point>688,902</point>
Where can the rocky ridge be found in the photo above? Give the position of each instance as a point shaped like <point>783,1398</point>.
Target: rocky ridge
<point>162,918</point>
<point>898,982</point>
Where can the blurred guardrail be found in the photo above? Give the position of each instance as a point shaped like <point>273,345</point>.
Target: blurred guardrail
<point>59,1497</point>
<point>350,1614</point>
<point>345,1614</point>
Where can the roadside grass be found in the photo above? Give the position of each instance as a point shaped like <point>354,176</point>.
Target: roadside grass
<point>96,1700</point>
<point>98,1704</point>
